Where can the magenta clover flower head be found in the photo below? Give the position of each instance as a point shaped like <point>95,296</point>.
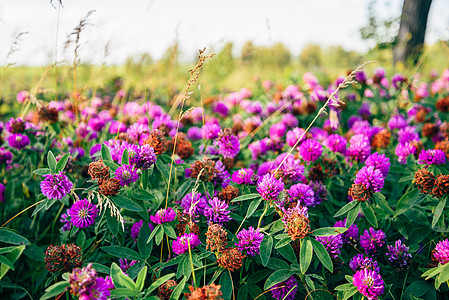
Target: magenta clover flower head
<point>359,147</point>
<point>193,205</point>
<point>2,192</point>
<point>281,289</point>
<point>249,240</point>
<point>243,176</point>
<point>302,193</point>
<point>320,191</point>
<point>310,150</point>
<point>143,157</point>
<point>380,162</point>
<point>83,213</point>
<point>181,245</point>
<point>371,178</point>
<point>336,143</point>
<point>398,255</point>
<point>228,144</point>
<point>217,211</point>
<point>361,262</point>
<point>222,109</point>
<point>135,229</point>
<point>351,234</point>
<point>269,188</point>
<point>56,186</point>
<point>332,244</point>
<point>65,220</point>
<point>403,151</point>
<point>125,264</point>
<point>372,240</point>
<point>18,141</point>
<point>369,283</point>
<point>441,252</point>
<point>126,175</point>
<point>210,131</point>
<point>290,120</point>
<point>407,134</point>
<point>163,216</point>
<point>5,156</point>
<point>397,122</point>
<point>295,135</point>
<point>432,157</point>
<point>291,169</point>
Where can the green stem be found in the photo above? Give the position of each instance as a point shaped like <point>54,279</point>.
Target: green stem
<point>205,266</point>
<point>191,264</point>
<point>263,214</point>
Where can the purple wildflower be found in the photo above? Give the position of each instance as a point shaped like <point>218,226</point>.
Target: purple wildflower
<point>291,169</point>
<point>243,176</point>
<point>398,255</point>
<point>65,219</point>
<point>432,157</point>
<point>228,144</point>
<point>290,120</point>
<point>369,283</point>
<point>217,212</point>
<point>163,216</point>
<point>193,206</point>
<point>281,289</point>
<point>222,109</point>
<point>83,213</point>
<point>441,252</point>
<point>361,262</point>
<point>126,175</point>
<point>125,264</point>
<point>144,157</point>
<point>332,244</point>
<point>278,130</point>
<point>18,141</point>
<point>397,80</point>
<point>371,178</point>
<point>302,193</point>
<point>407,134</point>
<point>181,245</point>
<point>194,133</point>
<point>249,240</point>
<point>403,151</point>
<point>5,156</point>
<point>380,162</point>
<point>294,135</point>
<point>336,143</point>
<point>210,131</point>
<point>269,188</point>
<point>351,234</point>
<point>56,186</point>
<point>364,109</point>
<point>397,122</point>
<point>359,147</point>
<point>310,150</point>
<point>222,177</point>
<point>2,192</point>
<point>320,191</point>
<point>135,229</point>
<point>372,240</point>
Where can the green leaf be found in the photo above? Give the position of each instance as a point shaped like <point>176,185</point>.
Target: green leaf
<point>105,152</point>
<point>276,264</point>
<point>120,280</point>
<point>117,292</point>
<point>113,223</point>
<point>9,237</point>
<point>352,215</point>
<point>277,277</point>
<point>416,289</point>
<point>39,207</point>
<point>283,242</point>
<point>245,197</point>
<point>155,231</point>
<point>112,165</point>
<point>169,231</point>
<point>407,201</point>
<point>252,207</point>
<point>159,236</point>
<point>182,190</point>
<point>322,255</point>
<point>162,167</point>
<point>122,252</point>
<point>226,285</point>
<point>346,208</point>
<point>243,292</point>
<point>288,253</point>
<point>438,212</point>
<point>141,278</point>
<point>125,157</point>
<point>12,257</point>
<point>100,268</point>
<point>142,241</point>
<point>328,231</point>
<point>51,160</point>
<point>305,255</point>
<point>55,290</point>
<point>432,272</point>
<point>369,214</point>
<point>42,171</point>
<point>62,163</point>
<point>143,195</point>
<point>266,246</point>
<point>178,290</point>
<point>126,203</point>
<point>444,275</point>
<point>159,282</point>
<point>7,262</point>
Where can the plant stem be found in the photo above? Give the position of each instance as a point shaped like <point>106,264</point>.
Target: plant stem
<point>191,264</point>
<point>37,203</point>
<point>261,216</point>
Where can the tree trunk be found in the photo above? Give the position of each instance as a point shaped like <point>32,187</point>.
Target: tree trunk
<point>412,30</point>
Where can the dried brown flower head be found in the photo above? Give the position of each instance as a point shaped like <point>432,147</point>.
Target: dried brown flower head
<point>424,181</point>
<point>208,167</point>
<point>430,130</point>
<point>185,222</point>
<point>109,187</point>
<point>444,129</point>
<point>228,193</point>
<point>207,292</point>
<point>99,171</point>
<point>443,104</point>
<point>165,291</point>
<point>381,139</point>
<point>49,114</point>
<point>359,192</point>
<point>216,238</point>
<point>183,148</point>
<point>421,115</point>
<point>231,259</point>
<point>17,126</point>
<point>296,225</point>
<point>443,146</point>
<point>441,187</point>
<point>62,258</point>
<point>156,140</point>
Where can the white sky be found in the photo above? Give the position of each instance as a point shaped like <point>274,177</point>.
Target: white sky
<point>136,26</point>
